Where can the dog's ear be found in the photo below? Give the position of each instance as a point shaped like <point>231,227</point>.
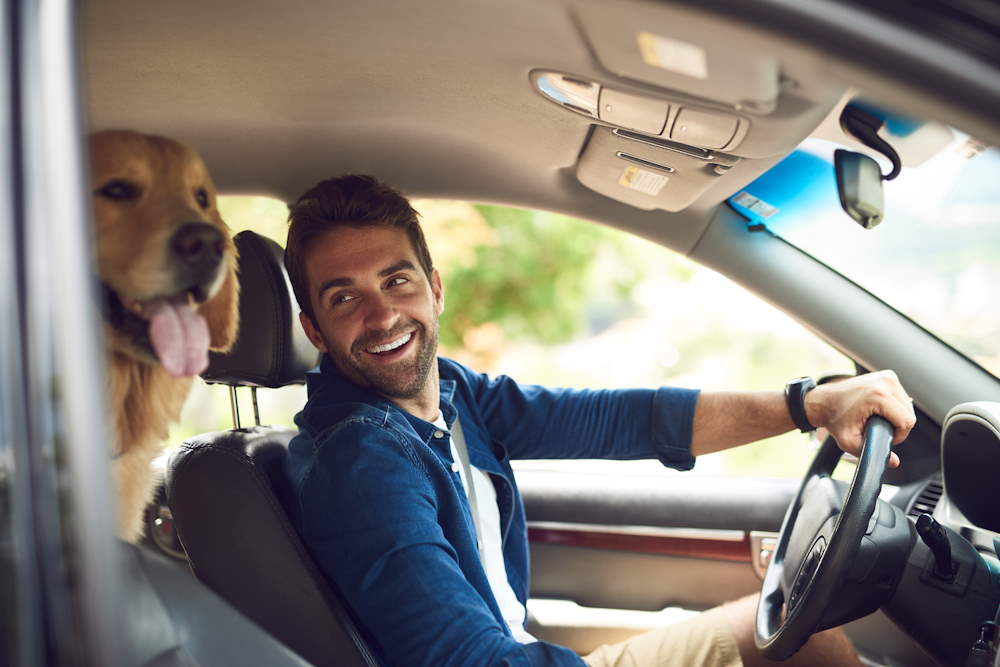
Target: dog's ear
<point>221,312</point>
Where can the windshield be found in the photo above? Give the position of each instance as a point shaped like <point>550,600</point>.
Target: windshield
<point>936,255</point>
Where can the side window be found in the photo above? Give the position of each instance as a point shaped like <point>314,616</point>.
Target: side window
<point>551,300</point>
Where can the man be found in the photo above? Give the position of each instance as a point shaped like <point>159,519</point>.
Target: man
<point>401,467</point>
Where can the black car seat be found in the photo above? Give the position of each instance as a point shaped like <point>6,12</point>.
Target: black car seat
<point>227,491</point>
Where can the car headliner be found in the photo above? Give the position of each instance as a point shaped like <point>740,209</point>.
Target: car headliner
<point>435,98</point>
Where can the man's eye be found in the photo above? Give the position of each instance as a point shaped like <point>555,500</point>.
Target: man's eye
<point>398,280</point>
<point>343,298</point>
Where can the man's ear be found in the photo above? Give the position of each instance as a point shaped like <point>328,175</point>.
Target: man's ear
<point>437,289</point>
<point>312,333</point>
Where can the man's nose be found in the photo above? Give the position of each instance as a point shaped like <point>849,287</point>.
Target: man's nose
<point>382,314</point>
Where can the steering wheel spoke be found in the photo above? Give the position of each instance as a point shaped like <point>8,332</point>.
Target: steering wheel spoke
<point>806,572</point>
<point>819,539</point>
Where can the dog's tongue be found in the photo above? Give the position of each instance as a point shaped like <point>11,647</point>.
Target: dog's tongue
<point>179,336</point>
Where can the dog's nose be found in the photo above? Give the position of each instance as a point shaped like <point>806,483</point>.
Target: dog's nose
<point>198,245</point>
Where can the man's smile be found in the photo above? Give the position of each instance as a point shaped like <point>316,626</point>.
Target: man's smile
<point>395,344</point>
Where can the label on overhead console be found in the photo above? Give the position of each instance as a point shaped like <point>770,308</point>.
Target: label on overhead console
<point>646,182</point>
<point>673,54</point>
<point>759,208</point>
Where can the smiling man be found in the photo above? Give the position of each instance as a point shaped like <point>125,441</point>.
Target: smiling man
<point>401,468</point>
<point>389,345</point>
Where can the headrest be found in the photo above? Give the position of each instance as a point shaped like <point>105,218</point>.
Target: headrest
<point>271,349</point>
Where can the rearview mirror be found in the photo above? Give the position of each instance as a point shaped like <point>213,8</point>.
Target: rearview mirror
<point>859,185</point>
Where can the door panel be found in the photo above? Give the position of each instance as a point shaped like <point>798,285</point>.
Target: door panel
<point>673,500</point>
<point>644,543</point>
<point>605,578</point>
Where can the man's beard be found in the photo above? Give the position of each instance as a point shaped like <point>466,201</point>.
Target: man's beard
<point>404,379</point>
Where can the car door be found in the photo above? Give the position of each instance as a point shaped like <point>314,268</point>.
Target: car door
<point>663,544</point>
<point>57,559</point>
<point>19,609</point>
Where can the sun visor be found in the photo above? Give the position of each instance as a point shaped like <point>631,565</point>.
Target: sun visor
<point>674,48</point>
<point>648,172</point>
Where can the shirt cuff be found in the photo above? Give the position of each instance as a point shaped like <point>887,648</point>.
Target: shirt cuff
<point>673,421</point>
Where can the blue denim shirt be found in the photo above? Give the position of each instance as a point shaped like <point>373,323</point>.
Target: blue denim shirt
<point>388,521</point>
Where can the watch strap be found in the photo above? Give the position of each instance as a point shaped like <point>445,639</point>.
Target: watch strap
<point>795,399</point>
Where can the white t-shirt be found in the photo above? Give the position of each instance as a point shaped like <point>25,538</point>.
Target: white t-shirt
<point>490,550</point>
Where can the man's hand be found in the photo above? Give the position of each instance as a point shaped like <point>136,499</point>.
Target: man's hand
<point>844,407</point>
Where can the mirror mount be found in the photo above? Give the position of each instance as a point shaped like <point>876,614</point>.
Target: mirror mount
<point>864,127</point>
<point>859,176</point>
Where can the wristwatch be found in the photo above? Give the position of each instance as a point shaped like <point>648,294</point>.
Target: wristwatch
<point>795,399</point>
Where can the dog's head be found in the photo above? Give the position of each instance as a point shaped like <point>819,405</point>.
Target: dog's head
<point>166,258</point>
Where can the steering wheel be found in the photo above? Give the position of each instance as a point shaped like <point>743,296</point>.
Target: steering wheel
<point>819,539</point>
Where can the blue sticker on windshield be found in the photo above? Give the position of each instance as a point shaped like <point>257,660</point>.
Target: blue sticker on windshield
<point>790,192</point>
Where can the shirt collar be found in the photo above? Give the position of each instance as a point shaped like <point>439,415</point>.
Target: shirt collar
<point>339,389</point>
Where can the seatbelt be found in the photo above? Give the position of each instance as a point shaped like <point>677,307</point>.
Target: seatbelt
<point>458,439</point>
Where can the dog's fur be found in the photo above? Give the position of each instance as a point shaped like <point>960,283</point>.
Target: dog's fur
<point>145,189</point>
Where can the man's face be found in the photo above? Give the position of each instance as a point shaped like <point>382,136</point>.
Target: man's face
<point>376,310</point>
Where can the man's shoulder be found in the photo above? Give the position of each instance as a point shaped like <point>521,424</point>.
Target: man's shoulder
<point>331,413</point>
<point>464,377</point>
<point>323,410</point>
<point>343,436</point>
<point>453,370</point>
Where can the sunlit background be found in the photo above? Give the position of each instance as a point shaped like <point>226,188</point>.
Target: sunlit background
<point>551,300</point>
<point>936,255</point>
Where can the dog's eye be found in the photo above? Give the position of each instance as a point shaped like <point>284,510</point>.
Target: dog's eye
<point>201,196</point>
<point>118,189</point>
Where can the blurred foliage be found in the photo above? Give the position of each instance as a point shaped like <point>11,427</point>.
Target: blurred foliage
<point>532,274</point>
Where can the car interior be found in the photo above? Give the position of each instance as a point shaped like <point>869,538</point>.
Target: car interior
<point>648,117</point>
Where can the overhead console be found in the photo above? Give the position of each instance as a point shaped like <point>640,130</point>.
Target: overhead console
<point>680,123</point>
<point>681,102</point>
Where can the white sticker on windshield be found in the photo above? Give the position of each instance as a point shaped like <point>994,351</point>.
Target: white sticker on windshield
<point>754,205</point>
<point>646,182</point>
<point>673,54</point>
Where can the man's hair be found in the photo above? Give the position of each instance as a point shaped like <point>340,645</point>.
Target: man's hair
<point>347,201</point>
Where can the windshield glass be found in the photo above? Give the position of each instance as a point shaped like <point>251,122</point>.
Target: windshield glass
<point>936,255</point>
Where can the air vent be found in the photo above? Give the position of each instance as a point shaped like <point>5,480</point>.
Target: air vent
<point>927,500</point>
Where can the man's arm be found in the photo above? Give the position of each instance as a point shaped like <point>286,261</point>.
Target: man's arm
<point>727,419</point>
<point>551,423</point>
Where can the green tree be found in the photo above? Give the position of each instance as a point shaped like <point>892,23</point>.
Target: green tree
<point>531,273</point>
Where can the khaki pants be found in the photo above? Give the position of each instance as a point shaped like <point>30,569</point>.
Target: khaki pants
<point>705,640</point>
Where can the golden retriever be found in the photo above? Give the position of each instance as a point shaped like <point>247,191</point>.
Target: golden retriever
<point>167,265</point>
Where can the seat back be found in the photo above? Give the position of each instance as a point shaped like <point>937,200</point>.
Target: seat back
<point>228,493</point>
